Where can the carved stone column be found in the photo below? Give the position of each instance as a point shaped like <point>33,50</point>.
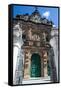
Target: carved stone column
<point>27,64</point>
<point>45,58</point>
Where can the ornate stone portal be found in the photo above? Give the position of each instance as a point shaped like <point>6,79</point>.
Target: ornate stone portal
<point>35,37</point>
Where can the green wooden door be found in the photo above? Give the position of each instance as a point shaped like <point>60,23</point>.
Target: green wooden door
<point>48,68</point>
<point>35,65</point>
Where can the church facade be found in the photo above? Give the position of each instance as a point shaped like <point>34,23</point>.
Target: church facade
<point>35,57</point>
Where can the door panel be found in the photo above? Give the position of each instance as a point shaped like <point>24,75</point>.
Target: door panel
<point>35,65</point>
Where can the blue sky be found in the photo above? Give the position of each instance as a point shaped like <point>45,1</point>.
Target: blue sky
<point>48,12</point>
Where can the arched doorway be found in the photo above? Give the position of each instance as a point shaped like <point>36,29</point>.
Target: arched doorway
<point>35,65</point>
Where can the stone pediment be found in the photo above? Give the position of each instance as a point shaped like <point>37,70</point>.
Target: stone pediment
<point>34,17</point>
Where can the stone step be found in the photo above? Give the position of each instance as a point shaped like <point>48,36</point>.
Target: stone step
<point>36,80</point>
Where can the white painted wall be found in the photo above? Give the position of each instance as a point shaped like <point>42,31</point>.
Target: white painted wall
<point>54,44</point>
